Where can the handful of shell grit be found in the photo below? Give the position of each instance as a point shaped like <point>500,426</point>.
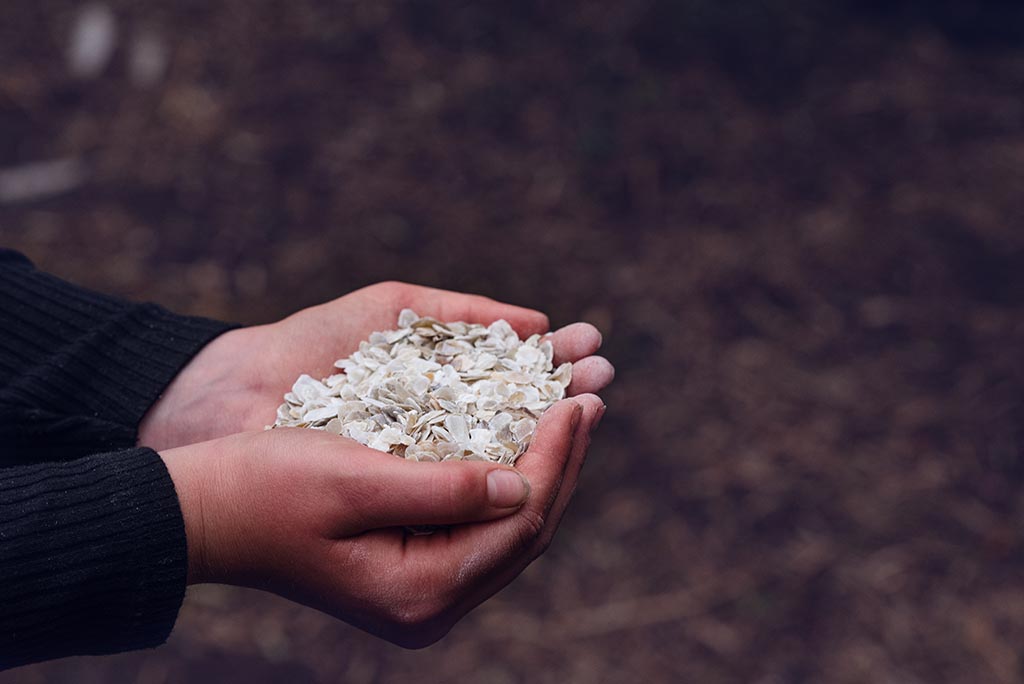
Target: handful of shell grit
<point>433,391</point>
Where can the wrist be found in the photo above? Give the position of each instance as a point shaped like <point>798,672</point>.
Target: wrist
<point>186,471</point>
<point>206,399</point>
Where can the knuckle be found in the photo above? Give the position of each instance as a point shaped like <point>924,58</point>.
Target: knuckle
<point>531,527</point>
<point>482,299</point>
<point>544,540</point>
<point>417,624</point>
<point>392,285</point>
<point>456,491</point>
<point>410,614</point>
<point>392,290</point>
<point>419,637</point>
<point>399,290</point>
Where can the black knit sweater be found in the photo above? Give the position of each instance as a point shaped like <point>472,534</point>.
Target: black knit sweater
<point>92,541</point>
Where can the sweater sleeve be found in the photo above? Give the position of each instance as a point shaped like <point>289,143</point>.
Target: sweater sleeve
<point>92,556</point>
<point>79,369</point>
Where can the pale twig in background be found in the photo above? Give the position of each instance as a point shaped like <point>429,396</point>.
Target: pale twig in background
<point>41,179</point>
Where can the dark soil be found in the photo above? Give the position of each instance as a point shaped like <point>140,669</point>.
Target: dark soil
<point>799,229</point>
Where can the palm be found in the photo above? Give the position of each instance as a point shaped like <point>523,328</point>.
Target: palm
<point>240,379</point>
<point>312,340</point>
<point>432,580</point>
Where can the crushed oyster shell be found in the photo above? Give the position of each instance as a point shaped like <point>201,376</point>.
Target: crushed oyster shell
<point>432,391</point>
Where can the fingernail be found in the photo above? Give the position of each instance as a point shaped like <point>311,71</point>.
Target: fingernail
<point>577,413</point>
<point>507,488</point>
<point>598,417</point>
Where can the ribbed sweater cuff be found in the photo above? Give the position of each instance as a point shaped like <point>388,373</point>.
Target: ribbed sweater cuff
<point>92,556</point>
<point>71,351</point>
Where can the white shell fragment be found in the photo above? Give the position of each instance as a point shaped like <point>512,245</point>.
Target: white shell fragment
<point>432,391</point>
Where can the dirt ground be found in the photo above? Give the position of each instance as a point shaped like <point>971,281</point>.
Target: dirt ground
<point>799,228</point>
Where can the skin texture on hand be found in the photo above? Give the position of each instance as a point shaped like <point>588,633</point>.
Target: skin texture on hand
<point>320,520</point>
<point>236,383</point>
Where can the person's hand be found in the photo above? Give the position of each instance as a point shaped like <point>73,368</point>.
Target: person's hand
<point>237,381</point>
<point>319,519</point>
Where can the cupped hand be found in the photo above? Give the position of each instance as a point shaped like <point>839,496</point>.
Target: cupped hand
<point>321,520</point>
<point>237,381</point>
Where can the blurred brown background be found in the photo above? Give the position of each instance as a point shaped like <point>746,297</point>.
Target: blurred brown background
<point>798,225</point>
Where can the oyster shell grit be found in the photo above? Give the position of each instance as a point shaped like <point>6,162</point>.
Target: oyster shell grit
<point>433,391</point>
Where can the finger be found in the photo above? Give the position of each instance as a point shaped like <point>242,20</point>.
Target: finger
<point>574,342</point>
<point>476,554</point>
<point>533,516</point>
<point>389,492</point>
<point>590,416</point>
<point>456,306</point>
<point>593,411</point>
<point>590,375</point>
<point>485,558</point>
<point>543,464</point>
<point>381,304</point>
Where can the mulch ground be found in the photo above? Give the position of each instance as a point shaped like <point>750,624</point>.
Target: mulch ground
<point>799,230</point>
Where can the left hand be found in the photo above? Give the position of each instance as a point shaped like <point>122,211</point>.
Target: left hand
<point>236,383</point>
<point>319,519</point>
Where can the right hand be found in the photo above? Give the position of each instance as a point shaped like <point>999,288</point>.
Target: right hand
<point>320,519</point>
<point>237,381</point>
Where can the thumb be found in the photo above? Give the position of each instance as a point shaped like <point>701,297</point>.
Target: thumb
<point>405,493</point>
